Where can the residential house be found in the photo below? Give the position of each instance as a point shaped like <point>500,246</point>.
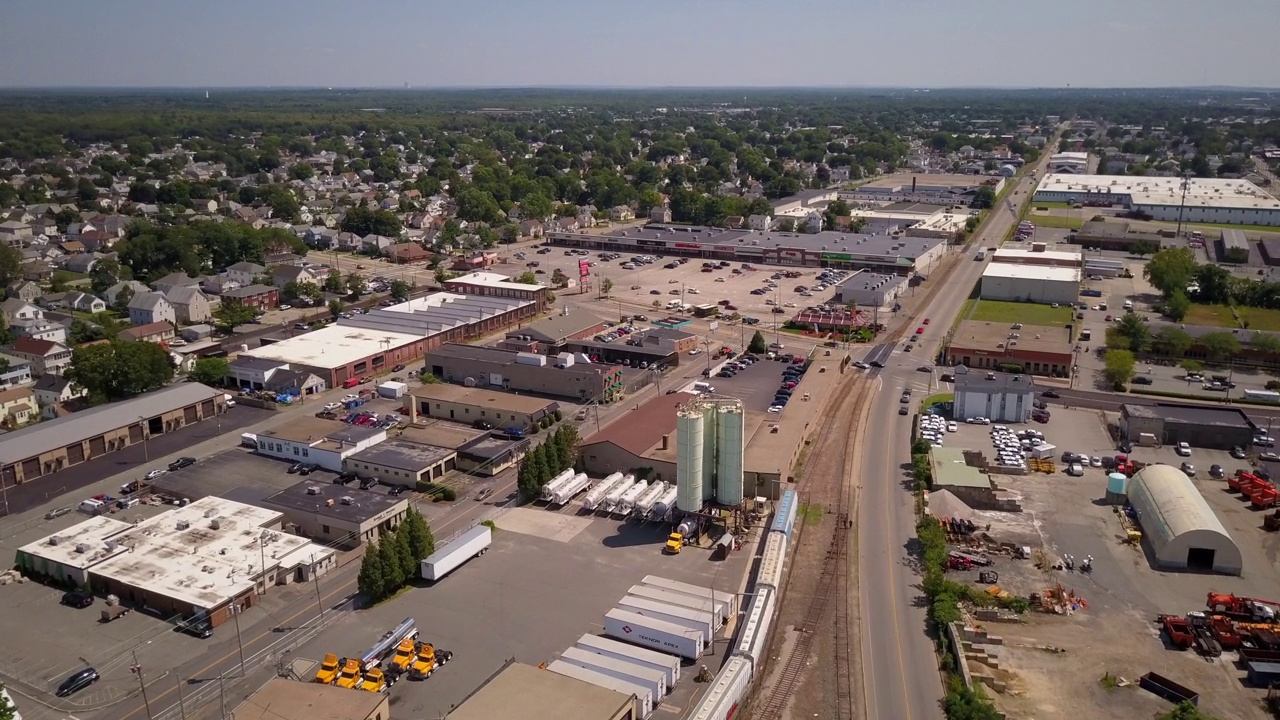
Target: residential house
<point>282,275</point>
<point>151,307</point>
<point>245,273</point>
<point>405,253</point>
<point>44,356</point>
<point>83,263</point>
<point>218,284</point>
<point>17,407</point>
<point>514,214</point>
<point>759,223</point>
<point>662,214</point>
<point>71,247</point>
<point>621,213</point>
<point>175,280</point>
<point>531,228</point>
<point>27,320</point>
<point>53,301</point>
<point>24,290</point>
<point>156,332</point>
<point>376,244</point>
<point>190,305</point>
<point>17,372</point>
<point>133,286</point>
<point>37,271</point>
<point>259,297</point>
<point>97,240</point>
<point>565,224</point>
<point>83,302</point>
<point>53,392</point>
<point>732,222</point>
<point>289,380</point>
<point>204,206</point>
<point>13,232</point>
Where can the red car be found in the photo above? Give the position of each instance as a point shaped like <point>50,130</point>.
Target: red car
<point>919,331</point>
<point>926,321</point>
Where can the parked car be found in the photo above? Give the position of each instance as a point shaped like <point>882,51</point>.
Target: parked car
<point>1183,449</point>
<point>1238,453</point>
<point>1216,471</point>
<point>195,628</point>
<point>78,681</point>
<point>182,462</point>
<point>1142,380</point>
<point>77,599</point>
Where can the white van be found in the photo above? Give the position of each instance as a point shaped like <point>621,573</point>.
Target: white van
<point>1128,304</point>
<point>703,387</point>
<point>249,440</point>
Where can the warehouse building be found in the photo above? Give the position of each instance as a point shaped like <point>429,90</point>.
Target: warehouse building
<point>402,463</point>
<point>44,449</point>
<point>551,336</point>
<point>1030,283</point>
<point>1112,235</point>
<point>337,515</point>
<point>1178,525</point>
<point>644,437</point>
<point>870,289</point>
<point>1202,426</point>
<point>327,443</point>
<point>939,188</point>
<point>491,454</point>
<point>489,284</point>
<point>1036,349</point>
<point>1202,200</point>
<point>997,396</point>
<point>530,693</point>
<point>286,699</point>
<point>1038,255</point>
<point>197,560</point>
<point>1074,163</point>
<point>1233,247</point>
<point>475,366</point>
<point>469,405</point>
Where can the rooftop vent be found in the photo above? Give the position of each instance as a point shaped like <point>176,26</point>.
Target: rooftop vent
<point>183,524</point>
<point>82,548</point>
<point>215,524</point>
<point>54,540</point>
<point>222,551</point>
<point>313,490</point>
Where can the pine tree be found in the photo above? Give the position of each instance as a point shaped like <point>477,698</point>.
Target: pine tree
<point>392,570</point>
<point>555,456</point>
<point>569,440</point>
<point>404,552</point>
<point>541,470</point>
<point>421,541</point>
<point>372,581</point>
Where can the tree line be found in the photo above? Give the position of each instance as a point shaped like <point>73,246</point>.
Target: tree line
<point>554,455</point>
<point>395,559</point>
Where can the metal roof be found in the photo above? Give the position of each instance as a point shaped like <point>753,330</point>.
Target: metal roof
<point>1191,414</point>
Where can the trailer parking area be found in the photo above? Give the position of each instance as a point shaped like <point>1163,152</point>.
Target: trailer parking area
<point>1052,666</point>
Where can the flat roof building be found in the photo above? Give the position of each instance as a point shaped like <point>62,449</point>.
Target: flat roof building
<point>403,463</point>
<point>66,557</point>
<point>1112,235</point>
<point>469,405</point>
<point>870,289</point>
<point>284,699</point>
<point>997,396</point>
<point>1205,200</point>
<point>1051,258</point>
<point>549,336</point>
<point>496,285</point>
<point>326,443</point>
<point>942,188</point>
<point>44,449</point>
<point>491,453</point>
<point>336,514</point>
<point>1038,349</point>
<point>643,437</point>
<point>1198,425</point>
<point>1043,284</point>
<point>524,692</point>
<point>476,366</point>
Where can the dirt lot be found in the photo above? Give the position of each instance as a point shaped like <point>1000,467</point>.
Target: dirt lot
<point>1113,630</point>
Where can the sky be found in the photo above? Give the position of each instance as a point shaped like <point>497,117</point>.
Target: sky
<point>658,43</point>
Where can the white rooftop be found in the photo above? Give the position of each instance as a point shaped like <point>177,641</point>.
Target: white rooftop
<point>1032,272</point>
<point>1081,156</point>
<point>1018,256</point>
<point>489,279</point>
<point>81,546</point>
<point>1201,192</point>
<point>204,553</point>
<point>333,346</point>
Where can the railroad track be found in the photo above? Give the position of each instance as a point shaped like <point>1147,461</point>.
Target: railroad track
<point>824,483</point>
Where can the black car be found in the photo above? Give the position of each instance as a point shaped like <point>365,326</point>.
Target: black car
<point>182,462</point>
<point>195,628</point>
<point>482,425</point>
<point>308,468</point>
<point>77,682</point>
<point>1052,394</point>
<point>1141,380</point>
<point>925,368</point>
<point>724,374</point>
<point>397,368</point>
<point>398,490</point>
<point>345,478</point>
<point>876,364</point>
<point>296,467</point>
<point>77,599</point>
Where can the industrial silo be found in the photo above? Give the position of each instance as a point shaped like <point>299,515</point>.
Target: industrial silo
<point>729,431</point>
<point>709,444</point>
<point>689,466</point>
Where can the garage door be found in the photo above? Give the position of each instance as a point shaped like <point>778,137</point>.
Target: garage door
<point>206,408</point>
<point>135,433</point>
<point>190,414</point>
<point>30,469</point>
<point>75,454</point>
<point>97,446</point>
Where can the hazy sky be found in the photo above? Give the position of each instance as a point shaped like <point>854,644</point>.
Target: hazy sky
<point>433,43</point>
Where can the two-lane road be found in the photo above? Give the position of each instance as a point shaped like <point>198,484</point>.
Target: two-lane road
<point>898,662</point>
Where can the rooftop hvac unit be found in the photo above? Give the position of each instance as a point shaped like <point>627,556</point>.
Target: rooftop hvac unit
<point>222,551</point>
<point>54,540</point>
<point>183,524</point>
<point>215,524</point>
<point>82,548</point>
<point>313,490</point>
<point>209,512</point>
<point>348,500</point>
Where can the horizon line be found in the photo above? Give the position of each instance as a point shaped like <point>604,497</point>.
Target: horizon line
<point>411,87</point>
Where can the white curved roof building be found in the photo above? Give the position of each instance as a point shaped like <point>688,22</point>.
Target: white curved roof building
<point>1182,531</point>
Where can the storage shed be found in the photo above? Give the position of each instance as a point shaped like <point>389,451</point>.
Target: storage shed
<point>1181,529</point>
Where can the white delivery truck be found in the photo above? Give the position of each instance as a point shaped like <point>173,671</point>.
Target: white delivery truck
<point>644,699</point>
<point>668,664</point>
<point>652,679</point>
<point>249,440</point>
<point>457,551</point>
<point>703,622</point>
<point>653,633</point>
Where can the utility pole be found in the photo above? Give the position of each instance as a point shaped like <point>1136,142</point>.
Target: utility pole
<point>222,693</point>
<point>315,575</point>
<point>182,706</point>
<point>262,550</point>
<point>136,669</point>
<point>235,613</point>
<point>1186,182</point>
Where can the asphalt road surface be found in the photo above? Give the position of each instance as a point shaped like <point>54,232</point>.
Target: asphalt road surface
<point>899,666</point>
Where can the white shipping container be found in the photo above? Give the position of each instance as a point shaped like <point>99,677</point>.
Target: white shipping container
<point>653,679</point>
<point>392,389</point>
<point>457,551</point>
<point>694,590</point>
<point>680,599</point>
<point>653,633</point>
<point>703,622</point>
<point>668,664</point>
<point>643,698</point>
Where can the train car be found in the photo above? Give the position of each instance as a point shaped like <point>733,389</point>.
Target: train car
<point>784,519</point>
<point>754,633</point>
<point>771,561</point>
<point>728,690</point>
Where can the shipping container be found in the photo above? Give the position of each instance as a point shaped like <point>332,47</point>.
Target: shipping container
<point>695,590</point>
<point>728,689</point>
<point>703,622</point>
<point>643,698</point>
<point>653,633</point>
<point>668,664</point>
<point>456,552</point>
<point>392,389</point>
<point>650,678</point>
<point>719,610</point>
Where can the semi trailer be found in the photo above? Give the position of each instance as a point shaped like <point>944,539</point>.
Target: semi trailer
<point>653,633</point>
<point>457,551</point>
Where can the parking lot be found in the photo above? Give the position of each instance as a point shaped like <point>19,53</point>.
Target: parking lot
<point>548,579</point>
<point>1114,630</point>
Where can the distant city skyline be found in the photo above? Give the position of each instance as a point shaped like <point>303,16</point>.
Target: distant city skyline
<point>663,43</point>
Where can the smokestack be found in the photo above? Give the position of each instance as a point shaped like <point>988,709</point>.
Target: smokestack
<point>666,440</point>
<point>913,184</point>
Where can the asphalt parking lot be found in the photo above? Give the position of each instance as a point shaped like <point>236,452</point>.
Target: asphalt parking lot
<point>37,492</point>
<point>755,386</point>
<point>234,468</point>
<point>548,578</point>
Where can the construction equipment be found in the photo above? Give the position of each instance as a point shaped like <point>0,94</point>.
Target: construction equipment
<point>1224,631</point>
<point>350,675</point>
<point>988,577</point>
<point>1205,642</point>
<point>955,562</point>
<point>375,681</point>
<point>427,660</point>
<point>1178,630</point>
<point>403,657</point>
<point>975,559</point>
<point>1264,496</point>
<point>328,671</point>
<point>1243,608</point>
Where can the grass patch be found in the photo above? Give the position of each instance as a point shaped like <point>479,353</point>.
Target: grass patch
<point>1253,228</point>
<point>1015,312</point>
<point>811,514</point>
<point>1057,221</point>
<point>1212,315</point>
<point>939,398</point>
<point>489,524</point>
<point>1260,318</point>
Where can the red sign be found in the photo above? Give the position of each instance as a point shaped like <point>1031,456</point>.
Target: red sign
<point>726,248</point>
<point>689,246</point>
<point>584,268</point>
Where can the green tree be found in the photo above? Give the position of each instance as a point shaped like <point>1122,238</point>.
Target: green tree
<point>210,371</point>
<point>984,198</point>
<point>541,466</point>
<point>7,709</point>
<point>556,459</point>
<point>441,275</point>
<point>536,206</point>
<point>606,286</point>
<point>404,552</point>
<point>1264,343</point>
<point>1191,366</point>
<point>392,563</point>
<point>1186,710</point>
<point>1177,306</point>
<point>570,441</point>
<point>335,308</point>
<point>1119,368</point>
<point>757,344</point>
<point>1142,248</point>
<point>400,290</point>
<point>231,315</point>
<point>787,224</point>
<point>10,265</point>
<point>1170,270</point>
<point>1220,345</point>
<point>421,541</point>
<point>355,284</point>
<point>79,332</point>
<point>1134,330</point>
<point>527,277</point>
<point>366,221</point>
<point>1174,340</point>
<point>119,369</point>
<point>106,273</point>
<point>301,171</point>
<point>558,278</point>
<point>962,703</point>
<point>334,282</point>
<point>372,581</point>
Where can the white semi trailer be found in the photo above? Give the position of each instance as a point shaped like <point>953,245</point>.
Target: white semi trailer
<point>597,494</point>
<point>645,502</point>
<point>628,499</point>
<point>457,551</point>
<point>667,663</point>
<point>548,490</point>
<point>567,491</point>
<point>653,633</point>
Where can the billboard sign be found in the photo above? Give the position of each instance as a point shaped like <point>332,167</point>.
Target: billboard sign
<point>584,268</point>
